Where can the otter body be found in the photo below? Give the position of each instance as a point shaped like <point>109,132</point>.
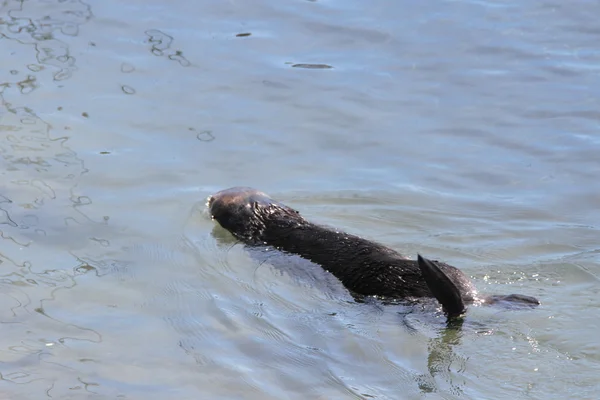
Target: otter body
<point>364,267</point>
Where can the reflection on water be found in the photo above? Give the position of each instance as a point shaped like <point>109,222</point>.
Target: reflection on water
<point>39,195</point>
<point>161,46</point>
<point>462,130</point>
<point>442,358</point>
<point>35,24</point>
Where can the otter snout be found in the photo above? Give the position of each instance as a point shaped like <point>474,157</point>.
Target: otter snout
<point>235,209</point>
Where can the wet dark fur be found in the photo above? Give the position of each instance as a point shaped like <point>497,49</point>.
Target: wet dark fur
<point>363,266</point>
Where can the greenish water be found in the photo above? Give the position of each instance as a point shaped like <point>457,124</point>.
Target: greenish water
<point>468,131</point>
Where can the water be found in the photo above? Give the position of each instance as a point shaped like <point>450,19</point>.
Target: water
<point>465,130</point>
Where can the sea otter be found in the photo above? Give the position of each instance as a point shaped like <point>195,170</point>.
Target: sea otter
<point>364,267</point>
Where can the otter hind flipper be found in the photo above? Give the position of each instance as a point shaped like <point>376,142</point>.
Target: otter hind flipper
<point>442,287</point>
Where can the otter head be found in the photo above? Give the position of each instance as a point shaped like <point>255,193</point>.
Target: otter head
<point>245,212</point>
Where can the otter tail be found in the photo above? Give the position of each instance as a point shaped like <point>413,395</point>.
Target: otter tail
<point>442,287</point>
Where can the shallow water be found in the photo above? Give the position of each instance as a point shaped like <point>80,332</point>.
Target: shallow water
<point>465,130</point>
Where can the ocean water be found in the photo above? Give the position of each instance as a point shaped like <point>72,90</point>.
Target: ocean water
<point>467,131</point>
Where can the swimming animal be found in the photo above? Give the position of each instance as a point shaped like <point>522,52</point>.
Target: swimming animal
<point>364,267</point>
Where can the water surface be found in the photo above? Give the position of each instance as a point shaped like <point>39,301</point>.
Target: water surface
<point>468,131</point>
